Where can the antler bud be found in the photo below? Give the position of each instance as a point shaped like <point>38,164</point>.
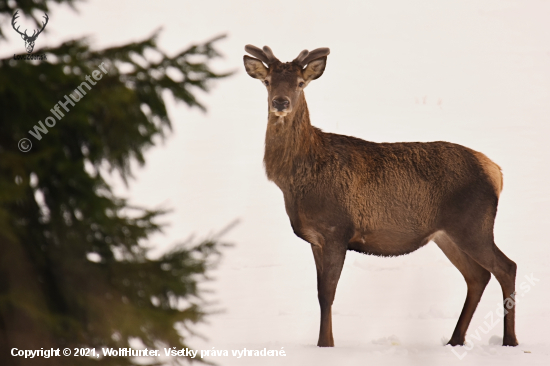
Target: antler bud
<point>265,55</point>
<point>305,57</point>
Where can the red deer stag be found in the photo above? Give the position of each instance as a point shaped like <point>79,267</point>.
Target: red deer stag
<point>343,193</point>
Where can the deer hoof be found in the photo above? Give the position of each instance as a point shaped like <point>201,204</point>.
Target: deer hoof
<point>510,341</point>
<point>454,342</point>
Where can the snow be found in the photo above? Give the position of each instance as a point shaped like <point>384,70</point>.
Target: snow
<point>469,72</point>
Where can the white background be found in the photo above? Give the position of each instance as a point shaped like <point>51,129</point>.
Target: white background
<point>470,72</point>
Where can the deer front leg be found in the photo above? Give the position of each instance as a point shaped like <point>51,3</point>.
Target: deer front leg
<point>329,261</point>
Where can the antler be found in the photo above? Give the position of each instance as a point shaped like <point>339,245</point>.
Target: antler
<point>265,55</point>
<point>15,16</point>
<point>305,57</point>
<point>43,24</point>
<point>34,34</point>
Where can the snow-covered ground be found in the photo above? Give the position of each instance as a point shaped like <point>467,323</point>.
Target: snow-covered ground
<point>470,72</point>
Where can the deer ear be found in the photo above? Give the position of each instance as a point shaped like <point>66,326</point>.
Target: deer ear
<point>315,69</point>
<point>255,67</point>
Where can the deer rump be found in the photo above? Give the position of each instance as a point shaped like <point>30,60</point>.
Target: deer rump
<point>342,193</point>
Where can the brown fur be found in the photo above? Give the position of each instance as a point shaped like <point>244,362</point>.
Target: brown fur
<point>343,193</point>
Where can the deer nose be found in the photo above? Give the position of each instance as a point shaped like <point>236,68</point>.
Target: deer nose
<point>280,103</point>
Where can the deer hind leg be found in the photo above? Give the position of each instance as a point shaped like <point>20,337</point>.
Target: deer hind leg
<point>476,278</point>
<point>505,272</point>
<point>329,261</point>
<point>481,247</point>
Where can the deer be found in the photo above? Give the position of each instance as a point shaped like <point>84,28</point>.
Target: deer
<point>29,40</point>
<point>385,199</point>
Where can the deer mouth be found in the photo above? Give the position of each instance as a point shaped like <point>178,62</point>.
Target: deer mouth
<point>281,112</point>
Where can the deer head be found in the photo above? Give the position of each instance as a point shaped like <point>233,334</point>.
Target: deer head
<point>284,81</point>
<point>29,40</point>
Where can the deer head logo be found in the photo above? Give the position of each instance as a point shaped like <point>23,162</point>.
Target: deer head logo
<point>29,40</point>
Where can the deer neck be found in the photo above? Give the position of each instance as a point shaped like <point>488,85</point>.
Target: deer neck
<point>292,145</point>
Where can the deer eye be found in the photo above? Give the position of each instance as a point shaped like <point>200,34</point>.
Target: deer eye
<point>301,84</point>
<point>266,82</point>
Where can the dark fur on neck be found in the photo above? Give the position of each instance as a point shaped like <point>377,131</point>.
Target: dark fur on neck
<point>293,147</point>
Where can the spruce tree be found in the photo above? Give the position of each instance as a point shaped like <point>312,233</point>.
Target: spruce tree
<point>74,269</point>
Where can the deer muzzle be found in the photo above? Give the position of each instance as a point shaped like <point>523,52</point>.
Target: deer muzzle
<point>280,106</point>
